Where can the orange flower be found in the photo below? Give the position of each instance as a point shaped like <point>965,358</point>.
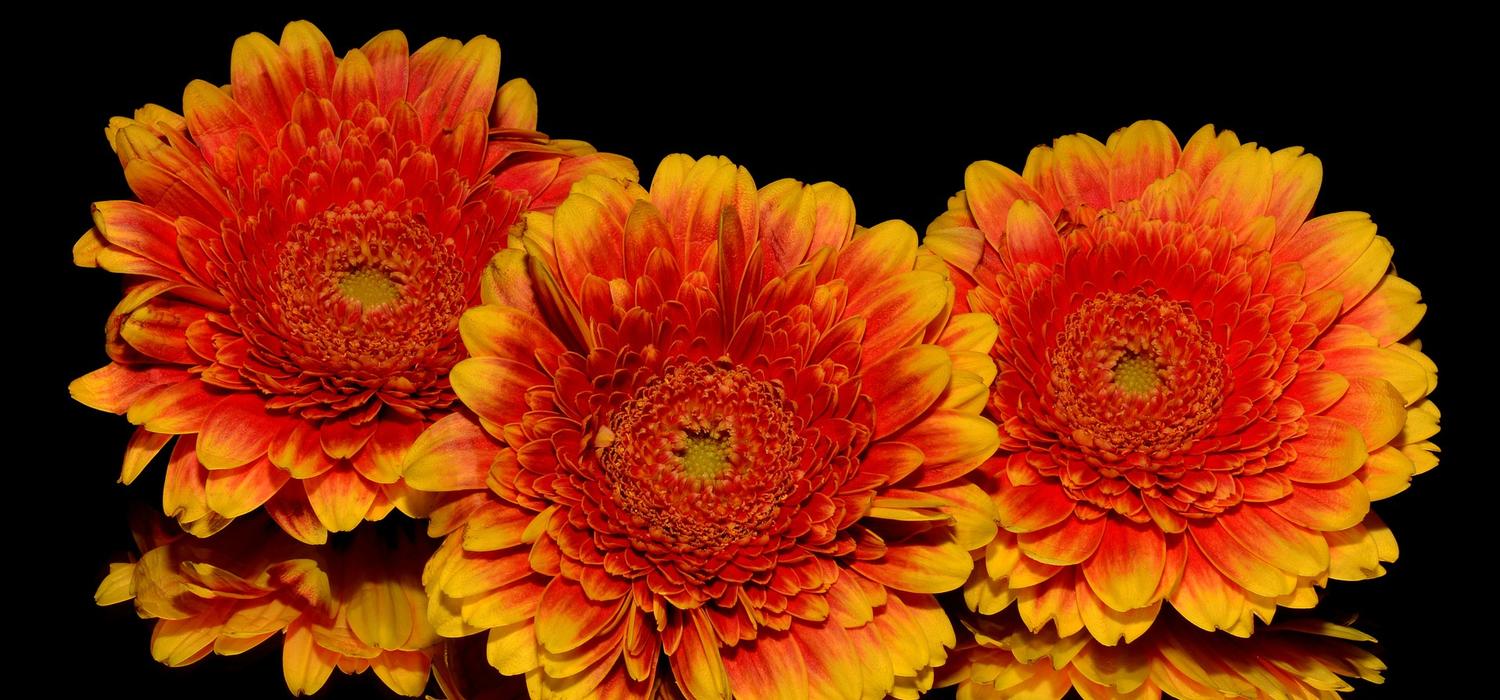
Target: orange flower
<point>1302,659</point>
<point>719,425</point>
<point>1201,390</point>
<point>353,607</point>
<point>304,243</point>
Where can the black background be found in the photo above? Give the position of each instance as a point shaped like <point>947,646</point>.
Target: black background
<point>891,108</point>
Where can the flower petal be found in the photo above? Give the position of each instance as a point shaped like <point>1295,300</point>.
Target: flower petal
<point>1127,565</point>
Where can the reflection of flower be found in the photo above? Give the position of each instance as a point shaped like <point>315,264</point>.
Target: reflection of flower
<point>353,607</point>
<point>304,243</point>
<point>1301,659</point>
<point>1200,389</point>
<point>721,425</point>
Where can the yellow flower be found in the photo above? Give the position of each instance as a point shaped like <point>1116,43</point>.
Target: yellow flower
<point>718,430</point>
<point>1201,389</point>
<point>304,242</point>
<point>352,608</point>
<point>1302,659</point>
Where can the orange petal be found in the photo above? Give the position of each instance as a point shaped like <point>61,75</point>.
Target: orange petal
<point>1316,391</point>
<point>797,220</point>
<point>833,666</point>
<point>143,447</point>
<point>1403,372</point>
<point>1204,596</point>
<point>264,81</point>
<point>405,672</point>
<point>1139,155</point>
<point>1242,185</point>
<point>1331,450</point>
<point>235,492</point>
<point>991,190</point>
<point>566,617</point>
<point>1386,473</point>
<point>384,455</point>
<point>972,511</point>
<point>1296,178</point>
<point>1374,407</point>
<point>770,667</point>
<point>139,229</point>
<point>1128,564</point>
<point>1030,236</point>
<point>215,120</point>
<point>1238,564</point>
<point>115,387</point>
<point>1289,547</point>
<point>310,53</point>
<point>1054,600</point>
<point>1324,507</point>
<point>388,54</point>
<point>1071,541</point>
<point>340,497</point>
<point>236,432</point>
<point>1032,508</point>
<point>1081,170</point>
<point>1326,246</point>
<point>290,509</point>
<point>952,444</point>
<point>1110,626</point>
<point>589,235</point>
<point>354,82</point>
<point>929,563</point>
<point>494,388</point>
<point>178,409</point>
<point>877,254</point>
<point>181,642</point>
<point>453,454</point>
<point>696,663</point>
<point>305,665</point>
<point>297,448</point>
<point>898,310</point>
<point>1390,312</point>
<point>342,439</point>
<point>507,333</point>
<point>905,384</point>
<point>466,81</point>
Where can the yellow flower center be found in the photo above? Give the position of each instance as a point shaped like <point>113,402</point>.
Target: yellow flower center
<point>370,287</point>
<point>1136,374</point>
<point>704,455</point>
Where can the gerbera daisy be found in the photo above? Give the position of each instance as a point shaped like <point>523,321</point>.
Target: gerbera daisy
<point>353,607</point>
<point>1302,659</point>
<point>723,432</point>
<point>304,242</point>
<point>1200,389</point>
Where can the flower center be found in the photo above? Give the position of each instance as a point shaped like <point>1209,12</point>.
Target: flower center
<point>1136,374</point>
<point>361,293</point>
<point>702,456</point>
<point>370,287</point>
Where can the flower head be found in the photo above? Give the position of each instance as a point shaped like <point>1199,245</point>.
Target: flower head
<point>352,607</point>
<point>1307,658</point>
<point>725,427</point>
<point>1200,389</point>
<point>304,242</point>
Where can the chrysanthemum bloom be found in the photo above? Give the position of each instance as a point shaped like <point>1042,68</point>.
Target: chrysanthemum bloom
<point>725,427</point>
<point>305,241</point>
<point>353,607</point>
<point>1307,659</point>
<point>1200,389</point>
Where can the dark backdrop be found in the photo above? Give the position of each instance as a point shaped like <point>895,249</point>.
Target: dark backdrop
<point>892,109</point>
